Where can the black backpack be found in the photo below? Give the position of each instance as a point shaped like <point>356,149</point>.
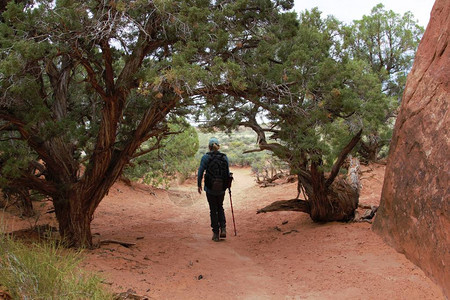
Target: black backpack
<point>217,177</point>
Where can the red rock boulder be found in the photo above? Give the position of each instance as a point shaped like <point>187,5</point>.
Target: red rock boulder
<point>414,210</point>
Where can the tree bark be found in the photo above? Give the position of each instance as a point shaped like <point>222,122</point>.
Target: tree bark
<point>343,156</point>
<point>337,202</point>
<point>74,222</point>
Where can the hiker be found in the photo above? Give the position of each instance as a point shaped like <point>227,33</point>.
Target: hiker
<point>217,179</point>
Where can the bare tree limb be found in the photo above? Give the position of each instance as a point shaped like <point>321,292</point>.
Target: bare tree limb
<point>252,151</point>
<point>124,244</point>
<point>34,142</point>
<point>342,156</point>
<point>262,141</point>
<point>92,78</point>
<point>108,61</point>
<point>287,205</point>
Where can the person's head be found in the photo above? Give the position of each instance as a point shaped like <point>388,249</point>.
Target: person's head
<point>213,144</point>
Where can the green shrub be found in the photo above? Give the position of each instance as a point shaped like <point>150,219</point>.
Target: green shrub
<point>45,271</point>
<point>174,159</point>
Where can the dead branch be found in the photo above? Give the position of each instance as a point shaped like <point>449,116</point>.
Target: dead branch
<point>365,206</point>
<point>353,174</point>
<point>367,215</point>
<point>125,244</point>
<point>287,205</point>
<point>251,151</point>
<point>268,180</point>
<point>266,184</point>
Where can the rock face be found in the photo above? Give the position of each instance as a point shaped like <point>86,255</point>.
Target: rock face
<point>414,210</point>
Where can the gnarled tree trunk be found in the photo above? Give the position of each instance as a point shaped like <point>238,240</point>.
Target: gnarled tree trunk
<point>328,199</point>
<point>74,221</point>
<point>335,202</point>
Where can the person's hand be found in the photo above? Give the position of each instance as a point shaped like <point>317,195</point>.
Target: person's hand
<point>199,189</point>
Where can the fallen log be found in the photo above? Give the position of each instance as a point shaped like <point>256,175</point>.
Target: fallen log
<point>125,244</point>
<point>287,205</point>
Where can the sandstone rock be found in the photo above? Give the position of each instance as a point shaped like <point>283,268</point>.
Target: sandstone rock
<point>414,210</point>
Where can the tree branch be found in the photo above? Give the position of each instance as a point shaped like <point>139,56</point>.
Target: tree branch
<point>109,71</point>
<point>34,142</point>
<point>342,156</point>
<point>90,71</point>
<point>7,127</point>
<point>144,45</point>
<point>252,151</point>
<point>59,79</point>
<point>155,147</point>
<point>281,151</point>
<point>275,61</point>
<point>287,205</point>
<point>32,182</point>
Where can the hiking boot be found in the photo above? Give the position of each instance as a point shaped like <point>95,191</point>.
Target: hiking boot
<point>215,237</point>
<point>223,232</point>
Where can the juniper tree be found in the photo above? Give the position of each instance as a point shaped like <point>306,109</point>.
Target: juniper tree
<point>315,102</point>
<point>84,83</point>
<point>387,41</point>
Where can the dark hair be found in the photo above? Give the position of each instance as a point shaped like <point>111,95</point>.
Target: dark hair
<point>214,147</point>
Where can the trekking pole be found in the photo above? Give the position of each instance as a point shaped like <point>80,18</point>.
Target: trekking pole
<point>232,212</point>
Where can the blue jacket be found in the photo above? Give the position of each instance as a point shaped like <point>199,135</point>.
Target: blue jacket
<point>203,164</point>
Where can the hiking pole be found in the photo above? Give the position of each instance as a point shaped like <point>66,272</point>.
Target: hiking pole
<point>232,212</point>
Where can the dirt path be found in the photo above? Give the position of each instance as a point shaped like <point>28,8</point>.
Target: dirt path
<point>282,255</point>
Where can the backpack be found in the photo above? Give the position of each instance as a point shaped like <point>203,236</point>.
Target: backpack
<point>217,175</point>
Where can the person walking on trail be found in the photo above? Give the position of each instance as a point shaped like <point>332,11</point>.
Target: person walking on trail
<point>217,178</point>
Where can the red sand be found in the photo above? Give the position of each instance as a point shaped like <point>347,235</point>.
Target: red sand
<point>279,255</point>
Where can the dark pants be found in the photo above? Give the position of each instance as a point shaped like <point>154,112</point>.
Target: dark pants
<point>216,211</point>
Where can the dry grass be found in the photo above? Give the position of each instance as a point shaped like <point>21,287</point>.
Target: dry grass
<point>45,270</point>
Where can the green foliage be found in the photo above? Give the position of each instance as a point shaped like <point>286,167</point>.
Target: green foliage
<point>302,90</point>
<point>174,157</point>
<point>9,152</point>
<point>40,43</point>
<point>85,83</point>
<point>81,89</point>
<point>314,89</point>
<point>387,43</point>
<point>45,271</point>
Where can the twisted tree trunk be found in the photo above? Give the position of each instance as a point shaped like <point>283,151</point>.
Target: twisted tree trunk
<point>335,202</point>
<point>328,199</point>
<point>74,221</point>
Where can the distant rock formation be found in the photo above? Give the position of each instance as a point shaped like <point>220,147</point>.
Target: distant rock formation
<point>414,213</point>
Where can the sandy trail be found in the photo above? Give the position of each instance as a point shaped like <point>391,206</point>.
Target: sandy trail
<point>281,255</point>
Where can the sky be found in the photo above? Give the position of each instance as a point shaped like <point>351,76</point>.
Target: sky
<point>349,10</point>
